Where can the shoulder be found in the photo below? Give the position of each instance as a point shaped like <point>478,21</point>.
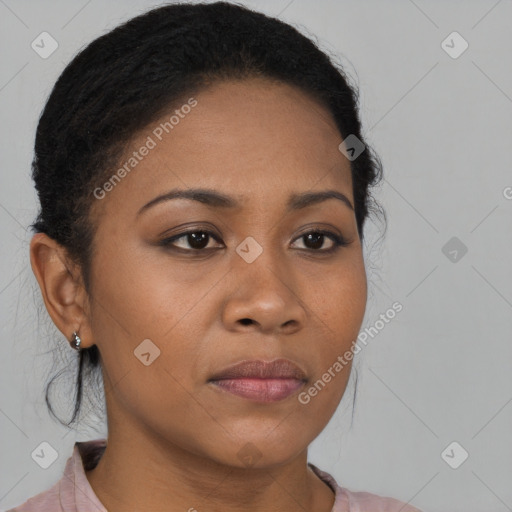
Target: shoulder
<point>72,491</point>
<point>368,502</point>
<point>360,501</point>
<point>45,501</point>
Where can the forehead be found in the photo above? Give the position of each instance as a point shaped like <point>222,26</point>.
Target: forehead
<point>253,139</point>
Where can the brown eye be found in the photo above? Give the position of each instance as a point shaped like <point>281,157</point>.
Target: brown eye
<point>190,240</point>
<point>315,240</point>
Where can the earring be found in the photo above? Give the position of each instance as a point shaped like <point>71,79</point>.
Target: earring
<point>76,341</point>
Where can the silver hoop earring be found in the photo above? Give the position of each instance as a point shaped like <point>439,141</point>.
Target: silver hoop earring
<point>76,341</point>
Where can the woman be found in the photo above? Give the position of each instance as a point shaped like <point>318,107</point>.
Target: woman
<point>204,186</point>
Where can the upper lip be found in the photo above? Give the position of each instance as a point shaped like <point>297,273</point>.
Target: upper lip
<point>257,369</point>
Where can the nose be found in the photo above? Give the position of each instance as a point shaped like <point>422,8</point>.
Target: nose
<point>266,299</point>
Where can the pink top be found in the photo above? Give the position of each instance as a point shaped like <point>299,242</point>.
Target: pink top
<point>73,493</point>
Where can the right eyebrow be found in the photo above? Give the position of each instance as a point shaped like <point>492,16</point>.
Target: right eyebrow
<point>206,196</point>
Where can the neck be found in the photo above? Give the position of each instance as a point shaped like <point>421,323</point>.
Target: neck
<point>154,475</point>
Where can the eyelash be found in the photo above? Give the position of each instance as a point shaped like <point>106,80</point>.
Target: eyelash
<point>338,241</point>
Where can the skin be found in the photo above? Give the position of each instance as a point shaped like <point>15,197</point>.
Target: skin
<point>173,437</point>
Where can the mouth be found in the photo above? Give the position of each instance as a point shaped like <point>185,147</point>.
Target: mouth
<point>261,381</point>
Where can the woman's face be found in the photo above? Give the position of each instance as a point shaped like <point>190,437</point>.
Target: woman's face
<point>168,317</point>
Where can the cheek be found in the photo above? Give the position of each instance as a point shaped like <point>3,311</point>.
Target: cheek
<point>141,296</point>
<point>148,346</point>
<point>148,305</point>
<point>339,301</point>
<point>138,310</point>
<point>339,305</point>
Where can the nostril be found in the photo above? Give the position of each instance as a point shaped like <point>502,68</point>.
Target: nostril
<point>246,321</point>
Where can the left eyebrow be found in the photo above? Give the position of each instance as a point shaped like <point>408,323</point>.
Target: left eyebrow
<point>217,199</point>
<point>298,201</point>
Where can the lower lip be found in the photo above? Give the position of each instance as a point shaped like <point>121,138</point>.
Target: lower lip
<point>261,390</point>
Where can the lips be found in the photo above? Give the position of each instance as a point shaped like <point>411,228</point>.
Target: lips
<point>261,381</point>
<point>256,369</point>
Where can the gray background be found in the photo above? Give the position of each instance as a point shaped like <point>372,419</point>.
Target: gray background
<point>440,371</point>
